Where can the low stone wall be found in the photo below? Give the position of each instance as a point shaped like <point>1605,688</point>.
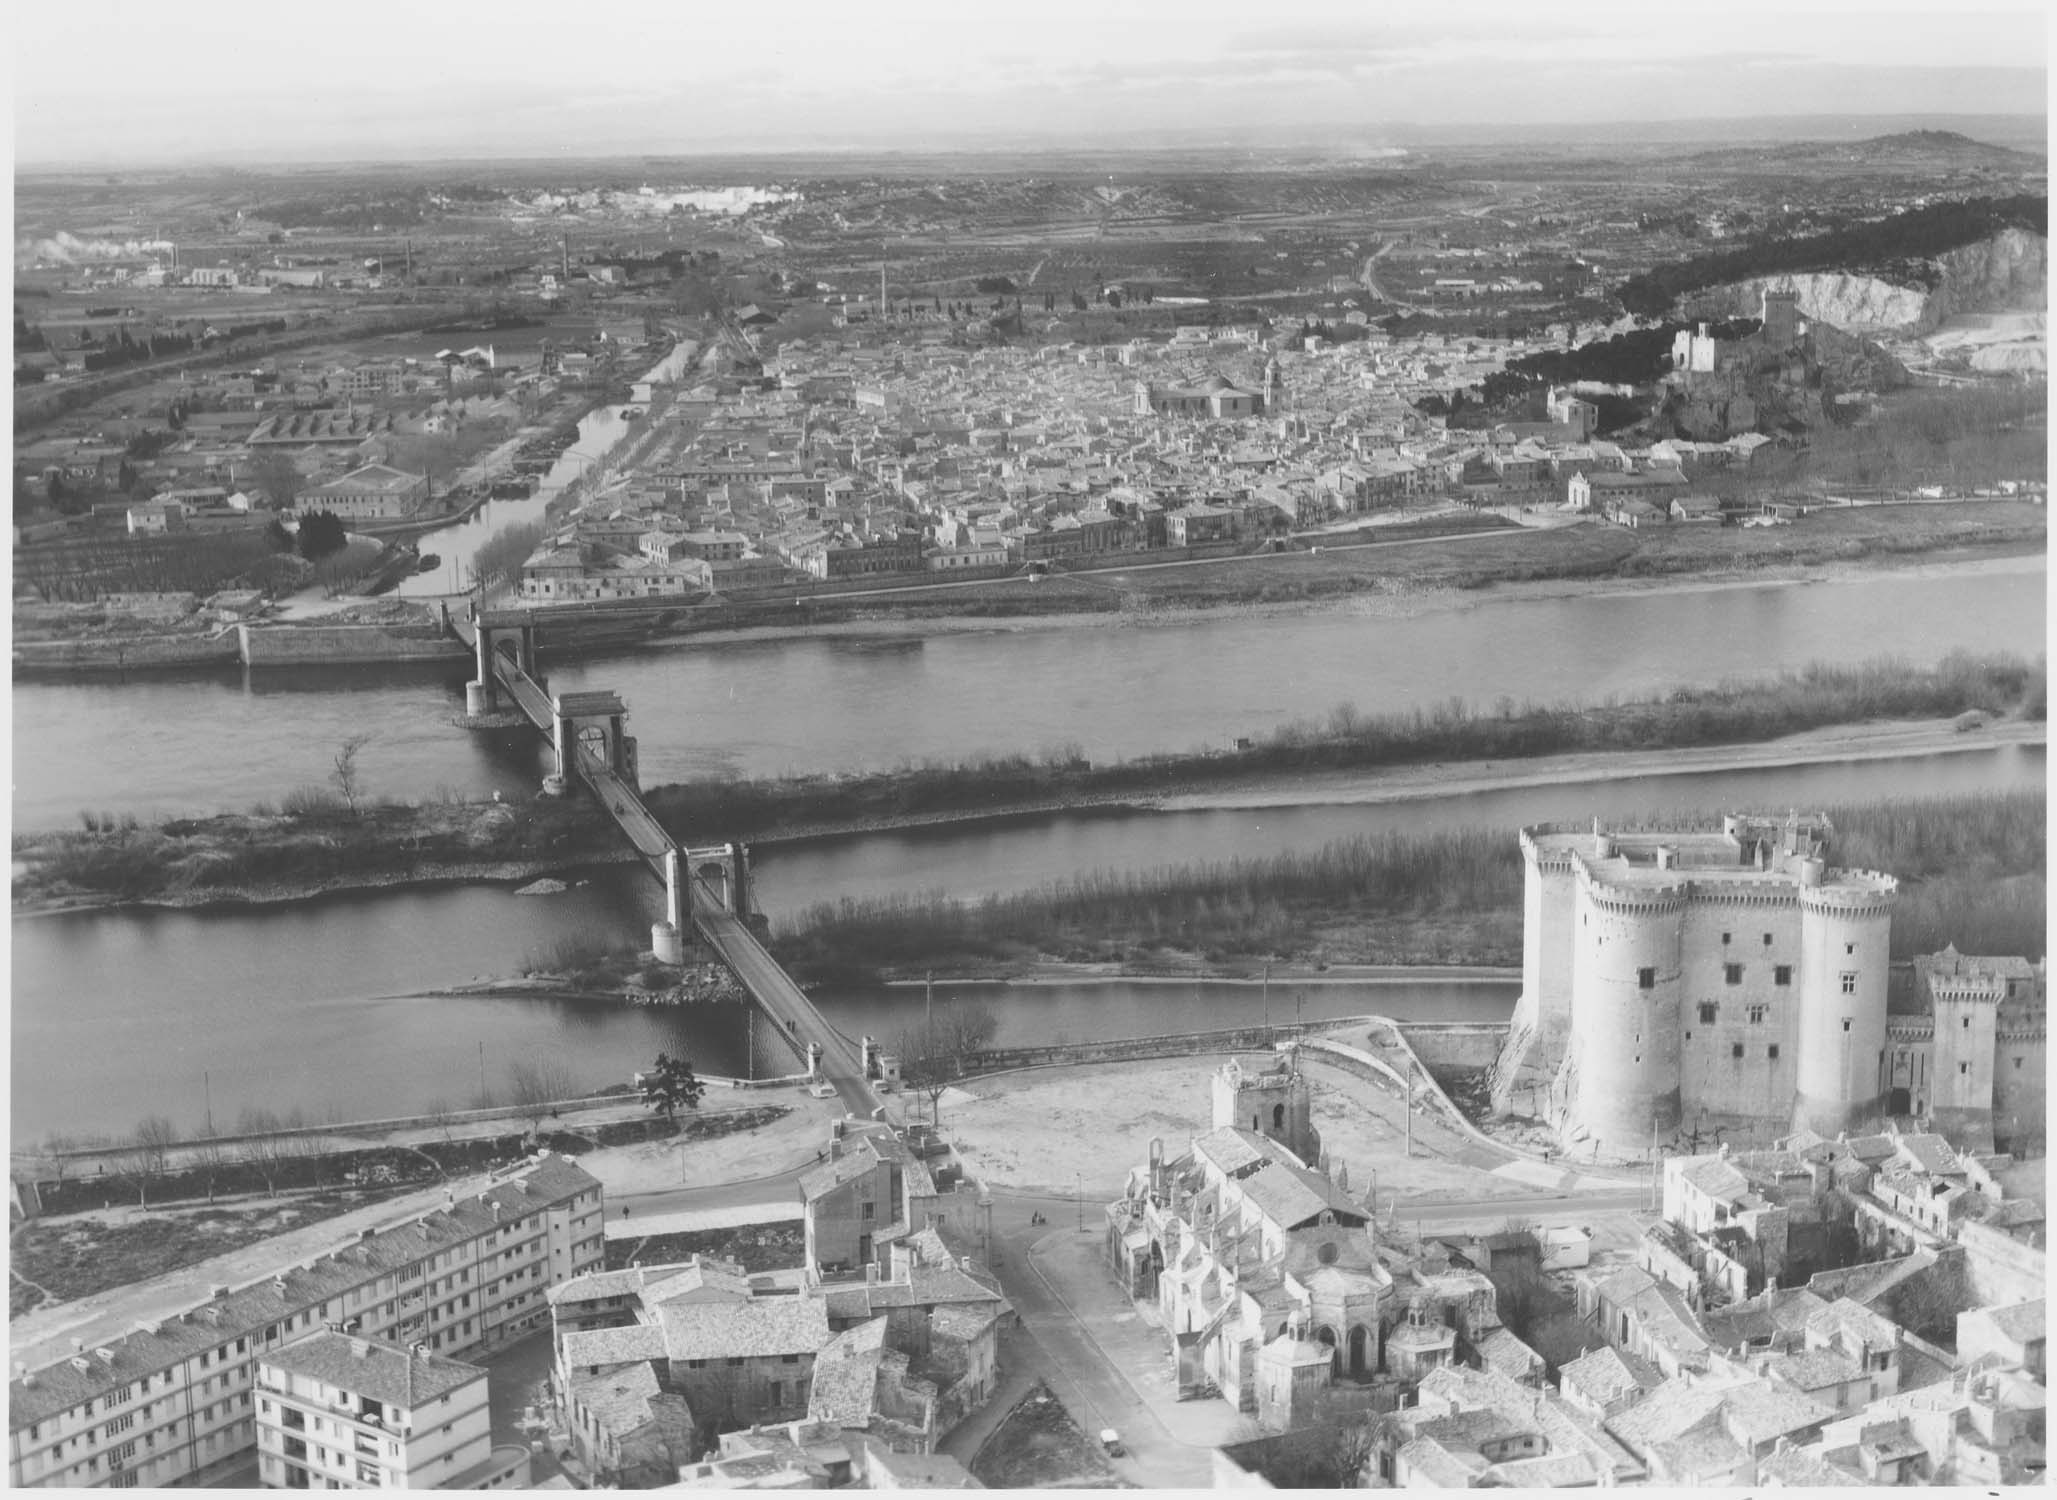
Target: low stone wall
<point>122,655</point>
<point>1455,1045</point>
<point>1182,1044</point>
<point>299,645</point>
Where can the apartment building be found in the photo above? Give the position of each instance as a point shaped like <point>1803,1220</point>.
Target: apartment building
<point>339,1412</point>
<point>171,1401</point>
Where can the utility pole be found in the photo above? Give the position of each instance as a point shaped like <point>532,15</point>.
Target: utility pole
<point>207,1088</point>
<point>482,1073</point>
<point>1080,1178</point>
<point>1267,1000</point>
<point>1409,1107</point>
<point>928,1012</point>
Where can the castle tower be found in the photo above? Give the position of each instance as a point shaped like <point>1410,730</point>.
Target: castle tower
<point>1542,1016</point>
<point>1141,391</point>
<point>1840,1028</point>
<point>1623,1063</point>
<point>1275,1103</point>
<point>1966,1010</point>
<point>1781,312</point>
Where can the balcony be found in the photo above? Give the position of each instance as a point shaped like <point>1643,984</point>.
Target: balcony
<point>292,1418</point>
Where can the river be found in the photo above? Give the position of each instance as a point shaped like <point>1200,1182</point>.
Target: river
<point>121,1014</point>
<point>760,704</point>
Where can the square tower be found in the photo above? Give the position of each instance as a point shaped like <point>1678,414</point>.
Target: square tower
<point>1274,1102</point>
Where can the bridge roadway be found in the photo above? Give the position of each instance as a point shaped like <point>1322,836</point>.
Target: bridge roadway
<point>791,1012</point>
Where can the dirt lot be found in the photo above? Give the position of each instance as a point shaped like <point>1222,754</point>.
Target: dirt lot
<point>1039,1446</point>
<point>1035,1130</point>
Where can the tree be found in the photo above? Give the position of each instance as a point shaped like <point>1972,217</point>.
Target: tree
<point>345,775</point>
<point>148,1154</point>
<point>670,1086</point>
<point>321,534</point>
<point>932,1054</point>
<point>278,477</point>
<point>535,1086</point>
<point>267,1147</point>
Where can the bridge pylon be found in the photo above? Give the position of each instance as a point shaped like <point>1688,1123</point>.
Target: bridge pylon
<point>667,937</point>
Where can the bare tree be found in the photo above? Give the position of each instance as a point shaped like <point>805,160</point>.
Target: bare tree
<point>535,1086</point>
<point>932,1055</point>
<point>439,1114</point>
<point>274,472</point>
<point>268,1148</point>
<point>346,776</point>
<point>147,1155</point>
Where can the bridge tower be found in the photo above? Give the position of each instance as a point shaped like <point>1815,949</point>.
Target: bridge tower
<point>482,696</point>
<point>591,722</point>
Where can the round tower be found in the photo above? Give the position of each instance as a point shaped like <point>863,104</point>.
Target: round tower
<point>1625,1013</point>
<point>1839,1031</point>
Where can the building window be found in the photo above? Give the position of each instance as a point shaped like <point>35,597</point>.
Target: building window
<point>1772,1052</point>
<point>1767,940</point>
<point>1849,982</point>
<point>1708,1010</point>
<point>1846,1023</point>
<point>1963,1068</point>
<point>1733,973</point>
<point>735,1364</point>
<point>1967,1023</point>
<point>1725,939</point>
<point>866,1211</point>
<point>1736,1050</point>
<point>1756,1015</point>
<point>2017,1065</point>
<point>1782,974</point>
<point>1646,979</point>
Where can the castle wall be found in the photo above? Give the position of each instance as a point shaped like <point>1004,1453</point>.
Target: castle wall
<point>1625,1049</point>
<point>1840,1034</point>
<point>1737,1057</point>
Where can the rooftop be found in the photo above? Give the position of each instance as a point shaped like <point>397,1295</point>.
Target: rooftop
<point>386,1372</point>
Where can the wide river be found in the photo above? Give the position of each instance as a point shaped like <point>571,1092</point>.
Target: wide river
<point>122,1014</point>
<point>758,705</point>
<point>117,1015</point>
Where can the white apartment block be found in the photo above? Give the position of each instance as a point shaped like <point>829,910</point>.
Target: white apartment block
<point>339,1412</point>
<point>170,1402</point>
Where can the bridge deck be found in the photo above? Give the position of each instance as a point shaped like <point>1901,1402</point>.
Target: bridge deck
<point>794,1016</point>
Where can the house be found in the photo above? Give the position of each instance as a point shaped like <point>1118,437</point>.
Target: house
<point>626,1429</point>
<point>870,1191</point>
<point>1199,525</point>
<point>1696,510</point>
<point>337,1411</point>
<point>373,492</point>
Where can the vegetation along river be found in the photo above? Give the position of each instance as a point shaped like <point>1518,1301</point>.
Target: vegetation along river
<point>119,1014</point>
<point>765,705</point>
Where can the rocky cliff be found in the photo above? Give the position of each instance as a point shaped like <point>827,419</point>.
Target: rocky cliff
<point>2007,273</point>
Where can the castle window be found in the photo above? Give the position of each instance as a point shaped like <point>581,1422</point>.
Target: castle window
<point>1767,940</point>
<point>1756,1015</point>
<point>1772,1052</point>
<point>1736,1050</point>
<point>1782,974</point>
<point>1725,937</point>
<point>1849,982</point>
<point>1733,973</point>
<point>1646,979</point>
<point>2017,1065</point>
<point>1707,1012</point>
<point>1846,1023</point>
<point>1967,1023</point>
<point>1849,947</point>
<point>1963,1068</point>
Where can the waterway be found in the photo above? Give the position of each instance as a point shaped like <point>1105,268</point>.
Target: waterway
<point>600,431</point>
<point>121,1014</point>
<point>757,704</point>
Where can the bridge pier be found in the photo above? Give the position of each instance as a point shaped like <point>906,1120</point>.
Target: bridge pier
<point>667,938</point>
<point>482,696</point>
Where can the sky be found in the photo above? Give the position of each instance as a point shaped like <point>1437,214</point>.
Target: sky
<point>244,80</point>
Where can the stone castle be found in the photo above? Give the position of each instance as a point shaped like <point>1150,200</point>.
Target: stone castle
<point>1676,982</point>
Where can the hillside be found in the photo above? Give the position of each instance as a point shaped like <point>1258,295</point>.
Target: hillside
<point>1902,249</point>
<point>1923,149</point>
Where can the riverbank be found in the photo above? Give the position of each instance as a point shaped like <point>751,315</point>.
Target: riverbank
<point>1819,712</point>
<point>317,846</point>
<point>1971,871</point>
<point>167,865</point>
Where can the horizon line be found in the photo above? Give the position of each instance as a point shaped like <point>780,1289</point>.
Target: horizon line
<point>1170,138</point>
